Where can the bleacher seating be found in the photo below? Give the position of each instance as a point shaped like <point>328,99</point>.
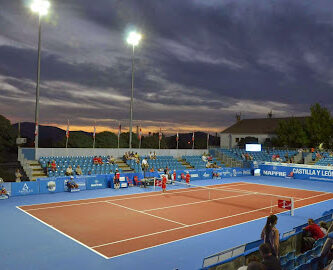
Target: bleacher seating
<point>85,162</point>
<point>326,159</point>
<point>197,163</point>
<point>290,247</point>
<point>262,156</point>
<point>161,162</point>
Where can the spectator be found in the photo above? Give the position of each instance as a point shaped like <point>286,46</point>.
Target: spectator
<point>112,160</point>
<point>53,166</point>
<point>256,266</point>
<point>78,170</point>
<point>270,261</point>
<point>208,164</point>
<point>154,155</point>
<point>89,172</point>
<point>152,169</point>
<point>99,159</point>
<point>95,160</point>
<point>48,166</point>
<point>314,230</point>
<point>18,175</point>
<point>327,250</point>
<point>271,235</point>
<point>323,227</point>
<point>71,184</point>
<point>204,158</point>
<point>69,170</point>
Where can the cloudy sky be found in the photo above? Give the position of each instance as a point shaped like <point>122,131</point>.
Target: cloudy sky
<point>200,61</point>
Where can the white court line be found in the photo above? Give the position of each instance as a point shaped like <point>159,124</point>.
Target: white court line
<point>141,212</point>
<point>156,193</point>
<point>205,201</point>
<point>286,187</point>
<point>107,197</point>
<point>173,241</point>
<point>199,223</point>
<point>48,225</point>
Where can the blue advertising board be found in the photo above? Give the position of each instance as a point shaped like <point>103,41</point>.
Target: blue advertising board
<point>312,173</point>
<point>24,188</point>
<point>8,187</point>
<point>96,182</point>
<point>51,185</point>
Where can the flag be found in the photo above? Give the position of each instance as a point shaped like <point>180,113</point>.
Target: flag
<point>67,130</point>
<point>193,137</point>
<point>177,137</point>
<point>119,130</point>
<point>94,134</point>
<point>160,135</point>
<point>36,129</point>
<point>140,133</point>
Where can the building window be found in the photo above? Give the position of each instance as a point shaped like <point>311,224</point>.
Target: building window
<point>237,139</point>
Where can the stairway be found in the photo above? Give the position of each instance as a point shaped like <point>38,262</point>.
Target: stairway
<point>36,170</point>
<point>123,166</point>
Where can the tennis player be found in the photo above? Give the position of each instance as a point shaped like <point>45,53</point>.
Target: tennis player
<point>174,177</point>
<point>117,179</point>
<point>188,178</point>
<point>164,181</point>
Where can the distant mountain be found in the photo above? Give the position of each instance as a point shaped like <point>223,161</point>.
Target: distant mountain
<point>50,136</point>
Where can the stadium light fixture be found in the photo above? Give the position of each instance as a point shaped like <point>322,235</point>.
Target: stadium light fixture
<point>132,39</point>
<point>41,7</point>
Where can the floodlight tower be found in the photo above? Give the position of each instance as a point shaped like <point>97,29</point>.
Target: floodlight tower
<point>132,39</point>
<point>40,7</point>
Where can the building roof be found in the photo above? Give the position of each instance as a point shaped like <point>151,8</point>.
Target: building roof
<point>258,126</point>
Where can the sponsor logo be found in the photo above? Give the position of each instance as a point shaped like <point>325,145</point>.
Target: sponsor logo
<point>26,190</point>
<point>246,172</point>
<point>195,175</point>
<point>97,184</point>
<point>51,186</point>
<point>234,172</point>
<point>206,175</point>
<point>274,173</point>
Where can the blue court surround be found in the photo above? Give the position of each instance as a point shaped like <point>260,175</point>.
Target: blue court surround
<point>28,244</point>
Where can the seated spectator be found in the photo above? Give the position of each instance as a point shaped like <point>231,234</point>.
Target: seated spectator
<point>270,235</point>
<point>71,183</point>
<point>152,169</point>
<point>53,166</point>
<point>3,191</point>
<point>209,158</point>
<point>112,160</point>
<point>204,158</point>
<point>95,160</point>
<point>274,158</point>
<point>100,161</point>
<point>327,249</point>
<point>314,229</point>
<point>78,170</point>
<point>323,227</point>
<point>154,155</point>
<point>69,170</point>
<point>208,164</point>
<point>48,166</point>
<point>251,157</point>
<point>18,175</point>
<point>256,266</point>
<point>270,261</point>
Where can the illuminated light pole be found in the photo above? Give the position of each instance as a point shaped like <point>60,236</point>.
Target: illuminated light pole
<point>40,7</point>
<point>132,39</point>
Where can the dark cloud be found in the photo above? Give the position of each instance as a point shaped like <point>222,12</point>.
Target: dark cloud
<point>200,61</point>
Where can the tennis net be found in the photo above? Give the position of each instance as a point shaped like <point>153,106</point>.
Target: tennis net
<point>272,202</point>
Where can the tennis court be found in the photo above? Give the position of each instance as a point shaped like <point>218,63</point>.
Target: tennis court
<point>118,225</point>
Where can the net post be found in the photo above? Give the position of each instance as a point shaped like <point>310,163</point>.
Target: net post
<point>292,207</point>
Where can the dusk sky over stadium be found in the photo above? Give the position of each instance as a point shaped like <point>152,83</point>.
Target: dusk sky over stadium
<point>199,63</point>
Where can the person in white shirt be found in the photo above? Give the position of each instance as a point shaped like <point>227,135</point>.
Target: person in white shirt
<point>69,170</point>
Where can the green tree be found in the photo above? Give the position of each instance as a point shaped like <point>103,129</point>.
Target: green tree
<point>7,138</point>
<point>319,127</point>
<point>291,133</point>
<point>106,139</point>
<point>77,139</point>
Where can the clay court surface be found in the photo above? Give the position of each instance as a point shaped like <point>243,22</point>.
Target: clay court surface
<point>117,225</point>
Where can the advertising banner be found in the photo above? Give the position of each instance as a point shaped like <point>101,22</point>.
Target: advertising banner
<point>51,185</point>
<point>96,182</point>
<point>24,188</point>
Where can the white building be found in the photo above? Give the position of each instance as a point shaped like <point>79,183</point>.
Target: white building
<point>263,129</point>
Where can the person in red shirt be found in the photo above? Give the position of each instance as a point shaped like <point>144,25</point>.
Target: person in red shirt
<point>314,229</point>
<point>53,166</point>
<point>164,181</point>
<point>174,176</point>
<point>188,178</point>
<point>95,160</point>
<point>117,179</point>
